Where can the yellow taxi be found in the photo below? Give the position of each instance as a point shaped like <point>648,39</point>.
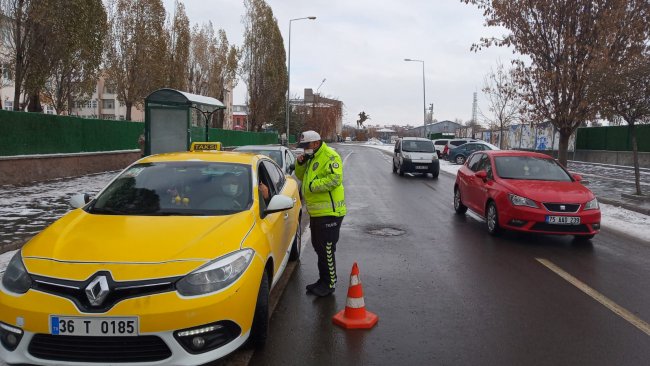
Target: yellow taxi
<point>172,263</point>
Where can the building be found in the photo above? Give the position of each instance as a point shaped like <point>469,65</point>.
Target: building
<point>103,104</point>
<point>438,127</point>
<point>240,117</point>
<point>320,114</point>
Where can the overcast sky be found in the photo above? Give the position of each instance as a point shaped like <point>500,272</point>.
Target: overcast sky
<point>359,47</point>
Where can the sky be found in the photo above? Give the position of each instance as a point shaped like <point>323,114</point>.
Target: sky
<point>359,47</point>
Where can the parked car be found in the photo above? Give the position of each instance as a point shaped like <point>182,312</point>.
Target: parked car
<point>280,154</point>
<point>348,139</point>
<point>440,144</point>
<point>172,263</point>
<point>454,143</point>
<point>526,191</point>
<point>459,154</point>
<point>415,154</point>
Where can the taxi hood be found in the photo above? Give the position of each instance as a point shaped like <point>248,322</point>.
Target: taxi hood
<point>84,238</point>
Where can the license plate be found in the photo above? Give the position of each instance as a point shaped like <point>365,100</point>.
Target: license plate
<point>424,167</point>
<point>93,326</point>
<point>563,220</point>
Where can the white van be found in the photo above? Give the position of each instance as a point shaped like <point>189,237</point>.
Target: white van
<point>416,155</point>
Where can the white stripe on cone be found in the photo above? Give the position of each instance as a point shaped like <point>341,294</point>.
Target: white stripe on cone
<point>354,280</point>
<point>355,303</point>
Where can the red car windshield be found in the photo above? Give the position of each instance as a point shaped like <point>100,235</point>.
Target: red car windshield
<point>530,168</point>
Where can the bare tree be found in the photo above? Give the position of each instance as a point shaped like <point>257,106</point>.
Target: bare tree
<point>263,64</point>
<point>18,11</point>
<point>624,92</point>
<point>564,42</point>
<point>503,98</point>
<point>178,49</point>
<point>73,52</point>
<point>136,49</point>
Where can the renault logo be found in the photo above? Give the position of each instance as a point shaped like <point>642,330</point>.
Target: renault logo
<point>562,207</point>
<point>97,290</point>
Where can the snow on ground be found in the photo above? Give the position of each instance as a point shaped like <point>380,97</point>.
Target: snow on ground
<point>4,260</point>
<point>613,217</point>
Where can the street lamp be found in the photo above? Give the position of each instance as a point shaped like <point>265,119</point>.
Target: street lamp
<point>288,118</point>
<point>424,92</point>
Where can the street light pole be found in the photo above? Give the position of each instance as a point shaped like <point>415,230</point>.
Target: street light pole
<point>424,91</point>
<point>288,115</point>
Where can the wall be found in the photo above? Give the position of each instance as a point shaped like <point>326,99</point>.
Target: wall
<point>611,157</point>
<point>520,137</point>
<point>25,169</point>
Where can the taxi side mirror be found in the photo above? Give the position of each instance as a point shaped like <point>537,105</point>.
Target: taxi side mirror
<point>79,200</point>
<point>279,203</point>
<point>292,167</point>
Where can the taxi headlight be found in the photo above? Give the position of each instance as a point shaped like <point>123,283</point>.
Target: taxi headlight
<point>16,278</point>
<point>521,201</point>
<point>216,275</point>
<point>592,205</point>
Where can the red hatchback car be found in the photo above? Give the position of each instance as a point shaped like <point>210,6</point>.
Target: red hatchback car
<point>526,191</point>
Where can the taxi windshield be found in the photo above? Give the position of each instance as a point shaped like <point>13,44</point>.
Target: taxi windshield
<point>177,189</point>
<point>530,168</point>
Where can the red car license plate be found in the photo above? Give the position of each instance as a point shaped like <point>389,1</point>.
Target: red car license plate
<point>563,220</point>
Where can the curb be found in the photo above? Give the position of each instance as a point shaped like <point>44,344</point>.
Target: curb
<point>625,205</point>
<point>12,246</point>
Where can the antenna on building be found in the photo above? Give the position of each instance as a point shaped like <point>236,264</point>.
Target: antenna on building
<point>474,109</point>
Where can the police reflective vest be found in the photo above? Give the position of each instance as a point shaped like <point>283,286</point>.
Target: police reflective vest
<point>322,183</point>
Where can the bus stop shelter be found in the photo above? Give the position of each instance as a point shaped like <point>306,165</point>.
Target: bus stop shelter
<point>168,119</point>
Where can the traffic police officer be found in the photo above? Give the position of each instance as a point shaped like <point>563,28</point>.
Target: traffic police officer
<point>321,171</point>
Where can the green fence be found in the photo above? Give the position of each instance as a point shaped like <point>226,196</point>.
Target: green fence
<point>613,138</point>
<point>234,138</point>
<point>24,133</point>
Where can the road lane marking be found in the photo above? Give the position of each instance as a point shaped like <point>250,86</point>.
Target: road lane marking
<point>611,305</point>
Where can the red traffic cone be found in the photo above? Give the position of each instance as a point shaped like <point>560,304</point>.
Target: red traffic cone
<point>355,316</point>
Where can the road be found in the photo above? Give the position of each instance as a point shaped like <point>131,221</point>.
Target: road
<point>447,293</point>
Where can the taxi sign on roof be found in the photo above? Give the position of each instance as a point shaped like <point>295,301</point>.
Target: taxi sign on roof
<point>206,146</point>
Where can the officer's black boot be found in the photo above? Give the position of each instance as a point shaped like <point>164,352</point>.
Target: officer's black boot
<point>312,286</point>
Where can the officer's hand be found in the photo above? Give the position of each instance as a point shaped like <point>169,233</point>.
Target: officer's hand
<point>301,158</point>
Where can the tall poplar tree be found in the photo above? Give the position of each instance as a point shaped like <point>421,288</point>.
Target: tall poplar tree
<point>263,64</point>
<point>136,49</point>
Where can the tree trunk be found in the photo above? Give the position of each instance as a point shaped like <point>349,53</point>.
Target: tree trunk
<point>635,156</point>
<point>35,103</point>
<point>563,147</point>
<point>128,110</point>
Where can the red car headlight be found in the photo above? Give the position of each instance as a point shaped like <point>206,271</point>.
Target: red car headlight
<point>592,205</point>
<point>521,201</point>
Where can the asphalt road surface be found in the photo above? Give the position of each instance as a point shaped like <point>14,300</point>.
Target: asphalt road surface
<point>446,293</point>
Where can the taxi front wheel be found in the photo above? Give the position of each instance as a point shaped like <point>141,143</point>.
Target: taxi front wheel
<point>260,328</point>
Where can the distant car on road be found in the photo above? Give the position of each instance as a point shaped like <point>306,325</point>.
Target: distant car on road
<point>454,143</point>
<point>459,154</point>
<point>348,139</point>
<point>526,191</point>
<point>440,146</point>
<point>417,155</point>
